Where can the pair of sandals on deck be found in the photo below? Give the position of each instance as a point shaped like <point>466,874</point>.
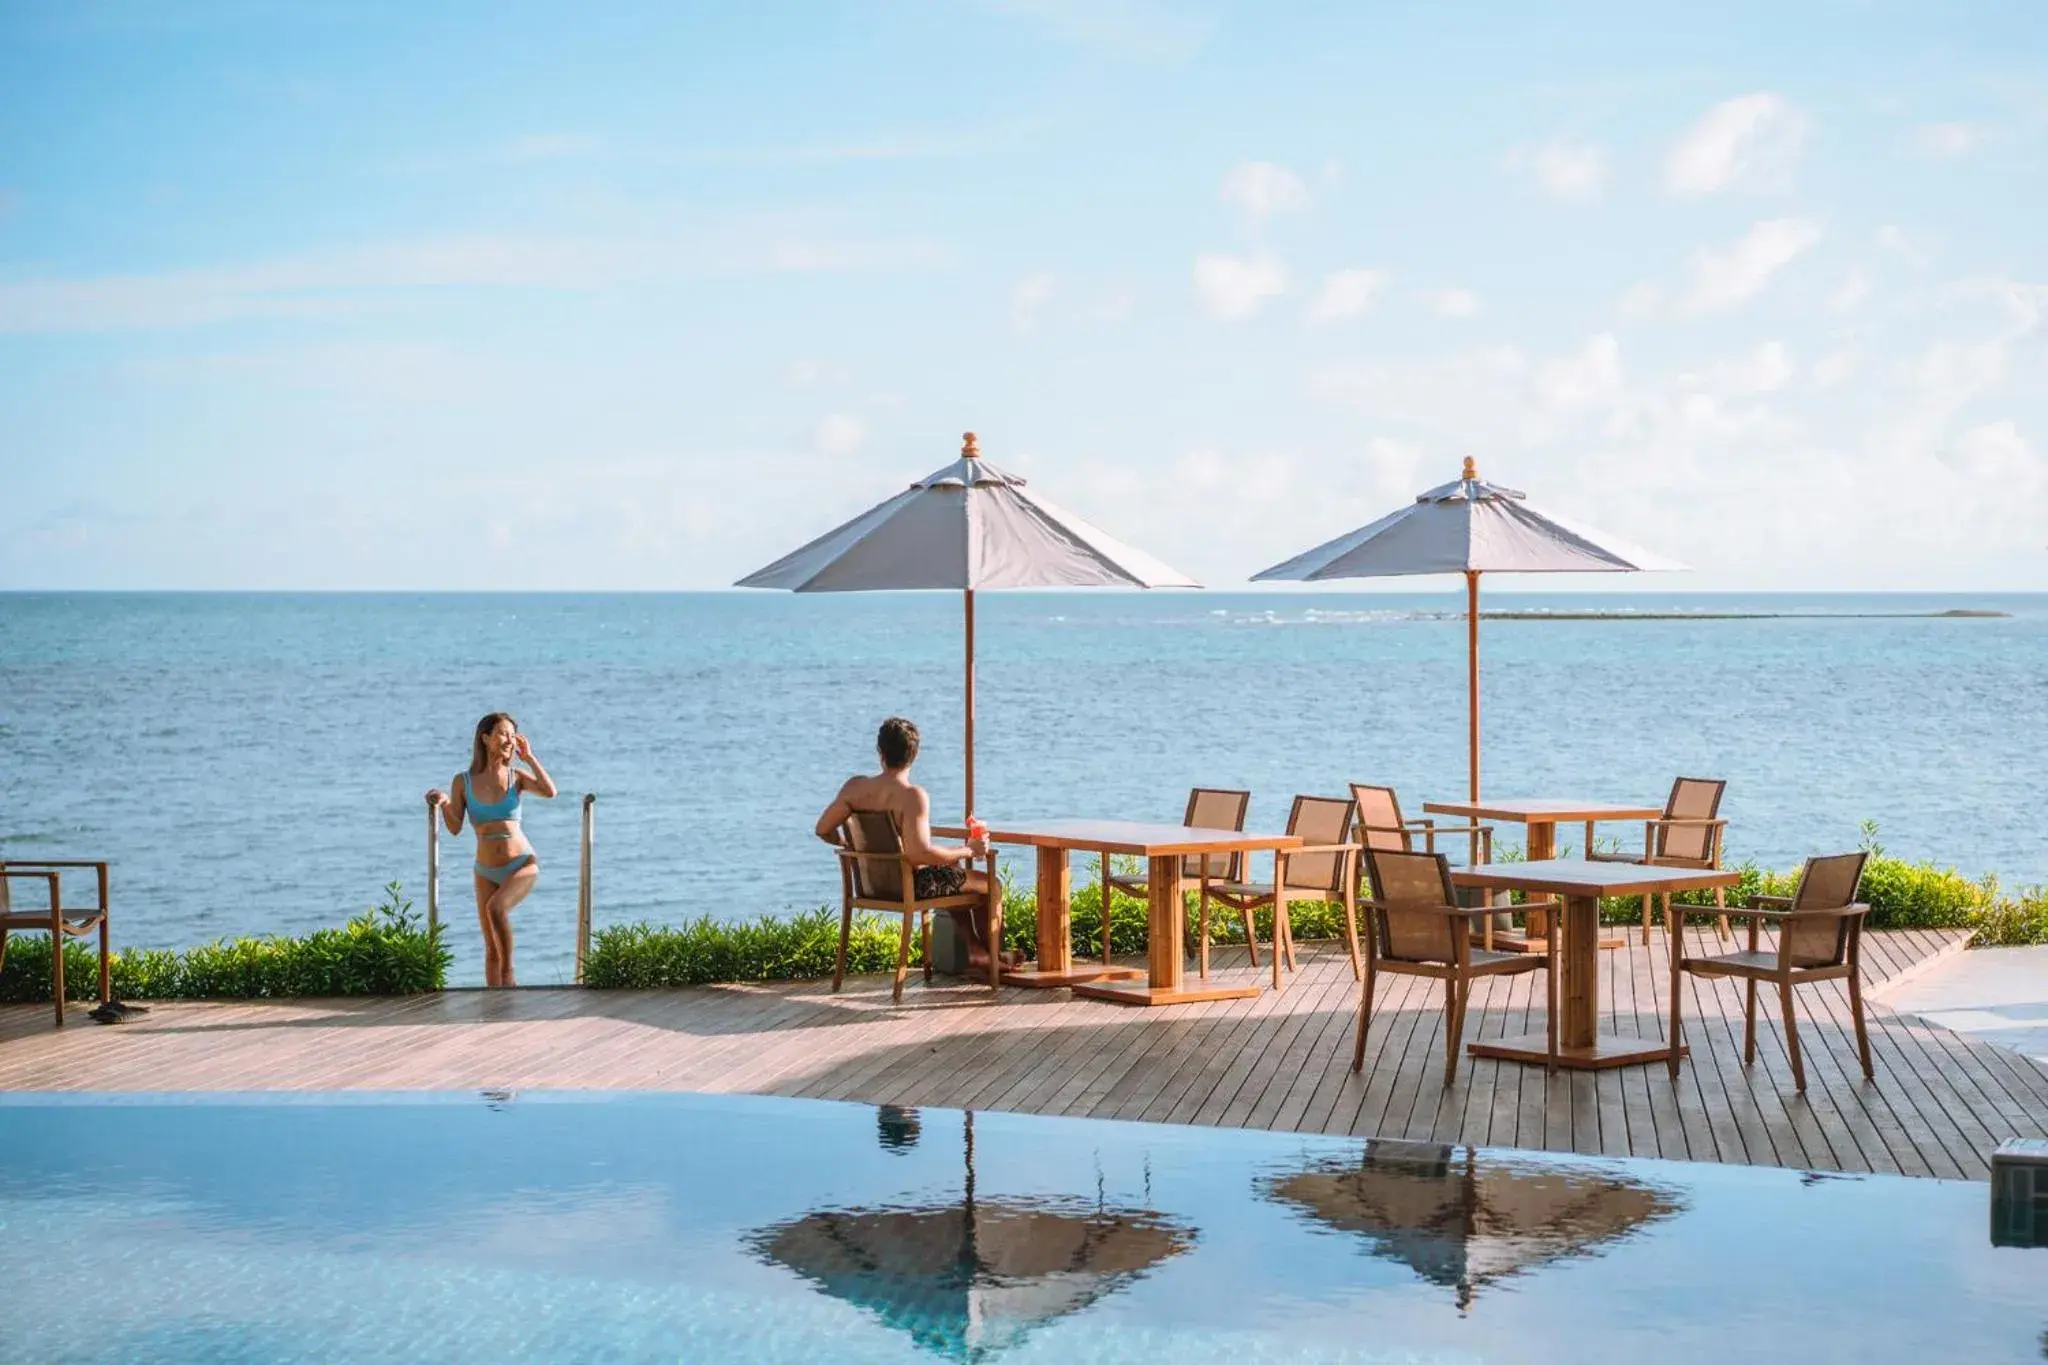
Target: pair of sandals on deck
<point>115,1012</point>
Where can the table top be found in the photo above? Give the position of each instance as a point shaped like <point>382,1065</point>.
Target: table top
<point>1124,836</point>
<point>1542,810</point>
<point>1577,877</point>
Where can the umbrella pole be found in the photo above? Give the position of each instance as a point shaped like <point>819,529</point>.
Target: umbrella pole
<point>969,594</point>
<point>1471,677</point>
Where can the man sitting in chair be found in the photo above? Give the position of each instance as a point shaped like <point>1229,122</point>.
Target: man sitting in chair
<point>939,870</point>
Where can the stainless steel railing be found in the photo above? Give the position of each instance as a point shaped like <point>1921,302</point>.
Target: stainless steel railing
<point>583,898</point>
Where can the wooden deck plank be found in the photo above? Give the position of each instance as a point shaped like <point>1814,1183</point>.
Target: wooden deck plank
<point>1938,1104</point>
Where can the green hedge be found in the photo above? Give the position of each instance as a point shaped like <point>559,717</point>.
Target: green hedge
<point>386,950</point>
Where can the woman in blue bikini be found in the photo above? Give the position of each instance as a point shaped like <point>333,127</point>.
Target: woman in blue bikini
<point>505,865</point>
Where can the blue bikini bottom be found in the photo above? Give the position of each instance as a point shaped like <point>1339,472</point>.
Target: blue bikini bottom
<point>496,875</point>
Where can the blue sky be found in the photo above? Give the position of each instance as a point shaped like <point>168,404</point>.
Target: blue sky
<point>510,296</point>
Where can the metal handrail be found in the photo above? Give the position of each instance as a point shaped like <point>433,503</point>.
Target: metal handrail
<point>583,883</point>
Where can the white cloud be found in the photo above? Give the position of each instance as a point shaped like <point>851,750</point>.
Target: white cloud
<point>1766,369</point>
<point>1590,378</point>
<point>1139,29</point>
<point>838,434</point>
<point>1028,296</point>
<point>1997,453</point>
<point>1262,189</point>
<point>1640,301</point>
<point>345,280</point>
<point>1566,170</point>
<point>1750,142</point>
<point>1346,294</point>
<point>1722,280</point>
<point>1850,293</point>
<point>1234,287</point>
<point>1834,368</point>
<point>1947,140</point>
<point>1455,303</point>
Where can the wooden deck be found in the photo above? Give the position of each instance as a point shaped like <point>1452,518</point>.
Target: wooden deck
<point>1939,1106</point>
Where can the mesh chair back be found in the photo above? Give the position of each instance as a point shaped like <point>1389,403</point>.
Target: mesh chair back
<point>1401,880</point>
<point>1692,798</point>
<point>1319,820</point>
<point>875,831</point>
<point>1379,818</point>
<point>1215,808</point>
<point>1826,884</point>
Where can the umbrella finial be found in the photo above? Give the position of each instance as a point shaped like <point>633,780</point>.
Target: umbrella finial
<point>1471,470</point>
<point>968,449</point>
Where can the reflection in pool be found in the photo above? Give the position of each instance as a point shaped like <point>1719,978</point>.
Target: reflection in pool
<point>447,1228</point>
<point>1463,1220</point>
<point>969,1277</point>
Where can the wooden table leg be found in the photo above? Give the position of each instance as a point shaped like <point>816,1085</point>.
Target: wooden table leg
<point>1580,1044</point>
<point>1166,930</point>
<point>1056,965</point>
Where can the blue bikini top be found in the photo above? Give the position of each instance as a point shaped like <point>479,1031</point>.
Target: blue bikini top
<point>482,812</point>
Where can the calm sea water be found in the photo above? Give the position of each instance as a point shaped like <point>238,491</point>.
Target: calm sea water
<point>254,763</point>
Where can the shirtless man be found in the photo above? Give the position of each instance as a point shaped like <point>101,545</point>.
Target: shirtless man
<point>938,865</point>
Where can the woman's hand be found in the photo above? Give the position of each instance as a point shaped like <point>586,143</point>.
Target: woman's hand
<point>436,798</point>
<point>522,747</point>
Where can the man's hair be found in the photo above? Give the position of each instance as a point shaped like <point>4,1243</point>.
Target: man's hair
<point>897,743</point>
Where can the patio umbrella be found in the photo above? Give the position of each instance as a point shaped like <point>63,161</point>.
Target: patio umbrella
<point>1469,527</point>
<point>969,1279</point>
<point>966,527</point>
<point>1464,1224</point>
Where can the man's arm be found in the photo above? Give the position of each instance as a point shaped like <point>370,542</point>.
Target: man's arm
<point>917,840</point>
<point>836,814</point>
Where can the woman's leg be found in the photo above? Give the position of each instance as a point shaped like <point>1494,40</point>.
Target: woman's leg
<point>485,889</point>
<point>509,895</point>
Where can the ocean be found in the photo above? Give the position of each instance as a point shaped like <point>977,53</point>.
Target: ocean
<point>254,763</point>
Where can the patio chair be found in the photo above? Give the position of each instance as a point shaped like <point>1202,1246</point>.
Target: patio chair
<point>874,874</point>
<point>1415,927</point>
<point>1208,808</point>
<point>59,921</point>
<point>1688,835</point>
<point>1380,825</point>
<point>1820,938</point>
<point>1324,868</point>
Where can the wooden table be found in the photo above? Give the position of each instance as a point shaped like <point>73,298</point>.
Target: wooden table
<point>1542,815</point>
<point>1163,847</point>
<point>1580,885</point>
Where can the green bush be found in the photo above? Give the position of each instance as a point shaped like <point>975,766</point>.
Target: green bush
<point>794,948</point>
<point>386,950</point>
<point>2008,923</point>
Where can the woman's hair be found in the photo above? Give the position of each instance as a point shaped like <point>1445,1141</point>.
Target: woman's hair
<point>897,743</point>
<point>478,758</point>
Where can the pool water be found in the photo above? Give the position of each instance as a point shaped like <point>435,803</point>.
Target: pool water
<point>676,1227</point>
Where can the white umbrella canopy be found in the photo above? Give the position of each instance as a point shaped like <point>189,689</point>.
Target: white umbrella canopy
<point>1470,527</point>
<point>963,528</point>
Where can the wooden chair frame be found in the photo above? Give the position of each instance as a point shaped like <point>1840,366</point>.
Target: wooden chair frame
<point>1457,974</point>
<point>1479,839</point>
<point>58,921</point>
<point>1752,968</point>
<point>1140,886</point>
<point>910,906</point>
<point>1246,896</point>
<point>1656,838</point>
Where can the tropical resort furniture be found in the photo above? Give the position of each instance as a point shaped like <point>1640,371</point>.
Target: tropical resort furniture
<point>1581,884</point>
<point>1542,815</point>
<point>59,921</point>
<point>1820,938</point>
<point>1415,927</point>
<point>1165,849</point>
<point>1469,527</point>
<point>1323,868</point>
<point>1208,808</point>
<point>1381,825</point>
<point>874,874</point>
<point>1688,834</point>
<point>960,528</point>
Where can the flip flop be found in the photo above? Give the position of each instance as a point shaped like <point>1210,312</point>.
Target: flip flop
<point>104,1014</point>
<point>123,1007</point>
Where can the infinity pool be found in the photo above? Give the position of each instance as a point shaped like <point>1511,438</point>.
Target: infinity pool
<point>683,1228</point>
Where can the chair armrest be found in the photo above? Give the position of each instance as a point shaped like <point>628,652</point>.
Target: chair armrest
<point>51,862</point>
<point>1831,912</point>
<point>1688,822</point>
<point>1318,848</point>
<point>1465,911</point>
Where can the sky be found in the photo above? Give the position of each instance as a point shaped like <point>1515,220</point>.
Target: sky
<point>510,296</point>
